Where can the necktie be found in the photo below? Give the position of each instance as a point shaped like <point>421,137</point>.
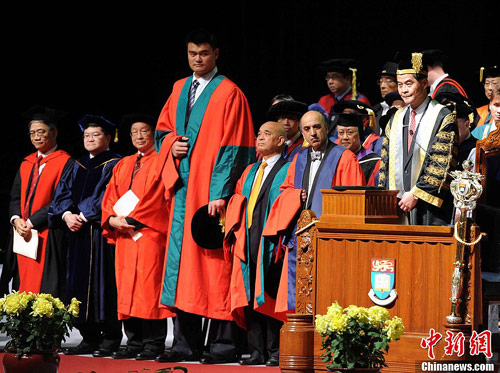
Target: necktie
<point>192,93</point>
<point>35,173</point>
<point>411,130</point>
<point>137,166</point>
<point>254,193</point>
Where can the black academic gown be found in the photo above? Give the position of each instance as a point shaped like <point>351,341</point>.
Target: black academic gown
<point>263,331</point>
<point>90,259</point>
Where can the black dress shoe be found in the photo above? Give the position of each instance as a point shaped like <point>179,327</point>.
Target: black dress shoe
<point>215,358</point>
<point>102,352</point>
<point>146,355</point>
<point>273,361</point>
<point>125,353</point>
<point>81,349</point>
<point>252,361</point>
<point>174,356</point>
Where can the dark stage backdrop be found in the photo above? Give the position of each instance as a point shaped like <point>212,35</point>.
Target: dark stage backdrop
<point>112,61</point>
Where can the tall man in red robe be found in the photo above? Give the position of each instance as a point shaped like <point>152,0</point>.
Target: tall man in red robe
<point>140,245</point>
<point>206,139</point>
<point>30,198</point>
<point>322,165</point>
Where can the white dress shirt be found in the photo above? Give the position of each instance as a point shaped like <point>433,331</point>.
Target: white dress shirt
<point>436,83</point>
<point>271,161</point>
<point>203,80</point>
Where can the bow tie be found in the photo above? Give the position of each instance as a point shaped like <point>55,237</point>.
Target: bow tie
<point>315,156</point>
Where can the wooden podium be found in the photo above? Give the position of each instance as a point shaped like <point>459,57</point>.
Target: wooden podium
<point>334,264</point>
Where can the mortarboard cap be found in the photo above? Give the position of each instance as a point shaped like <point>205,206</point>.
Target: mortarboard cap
<point>44,114</point>
<point>286,107</point>
<point>488,72</point>
<point>89,120</point>
<point>341,65</point>
<point>410,63</point>
<point>389,68</point>
<point>207,230</point>
<point>432,57</point>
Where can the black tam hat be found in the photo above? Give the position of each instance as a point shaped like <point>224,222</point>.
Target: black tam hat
<point>44,114</point>
<point>286,107</point>
<point>207,230</point>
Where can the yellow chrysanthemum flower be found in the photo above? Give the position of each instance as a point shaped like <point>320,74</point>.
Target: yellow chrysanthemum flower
<point>357,313</point>
<point>42,307</point>
<point>13,304</point>
<point>338,324</point>
<point>394,328</point>
<point>321,324</point>
<point>334,310</point>
<point>74,307</point>
<point>377,315</point>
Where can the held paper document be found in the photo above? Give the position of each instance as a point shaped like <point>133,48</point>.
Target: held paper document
<point>27,248</point>
<point>124,206</point>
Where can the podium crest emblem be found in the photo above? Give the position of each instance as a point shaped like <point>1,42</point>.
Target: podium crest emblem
<point>383,273</point>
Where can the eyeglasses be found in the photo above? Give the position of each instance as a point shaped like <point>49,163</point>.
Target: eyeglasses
<point>38,133</point>
<point>94,135</point>
<point>386,81</point>
<point>349,133</point>
<point>143,132</point>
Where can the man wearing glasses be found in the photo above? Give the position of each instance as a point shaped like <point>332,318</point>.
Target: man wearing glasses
<point>30,198</point>
<point>140,244</point>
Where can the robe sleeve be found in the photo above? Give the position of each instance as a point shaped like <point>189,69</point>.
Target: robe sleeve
<point>90,207</point>
<point>40,218</point>
<point>349,172</point>
<point>237,148</point>
<point>111,195</point>
<point>434,178</point>
<point>164,126</point>
<point>235,227</point>
<point>62,200</point>
<point>15,196</point>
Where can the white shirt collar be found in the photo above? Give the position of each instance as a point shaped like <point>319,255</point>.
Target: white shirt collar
<point>436,83</point>
<point>47,153</point>
<point>147,151</point>
<point>271,161</point>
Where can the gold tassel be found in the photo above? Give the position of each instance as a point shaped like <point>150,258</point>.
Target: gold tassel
<point>416,61</point>
<point>373,119</point>
<point>353,83</point>
<point>116,136</point>
<point>222,220</point>
<point>481,72</point>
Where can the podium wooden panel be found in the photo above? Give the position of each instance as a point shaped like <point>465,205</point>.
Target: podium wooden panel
<point>336,266</point>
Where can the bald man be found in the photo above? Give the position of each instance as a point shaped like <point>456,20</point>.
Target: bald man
<point>255,276</point>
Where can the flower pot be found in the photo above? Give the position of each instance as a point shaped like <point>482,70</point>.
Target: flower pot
<point>355,370</point>
<point>41,362</point>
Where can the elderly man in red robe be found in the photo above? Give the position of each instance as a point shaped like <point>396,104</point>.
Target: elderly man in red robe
<point>30,198</point>
<point>205,138</point>
<point>140,244</point>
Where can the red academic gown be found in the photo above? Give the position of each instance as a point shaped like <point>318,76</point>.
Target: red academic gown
<point>288,203</point>
<point>222,143</point>
<point>327,101</point>
<point>31,271</point>
<point>138,264</point>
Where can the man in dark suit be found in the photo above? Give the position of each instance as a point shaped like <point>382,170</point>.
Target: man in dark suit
<point>256,273</point>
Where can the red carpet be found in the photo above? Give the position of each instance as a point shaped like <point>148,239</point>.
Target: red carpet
<point>84,364</point>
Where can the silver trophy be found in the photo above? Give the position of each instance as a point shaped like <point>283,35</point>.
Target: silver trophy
<point>466,189</point>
